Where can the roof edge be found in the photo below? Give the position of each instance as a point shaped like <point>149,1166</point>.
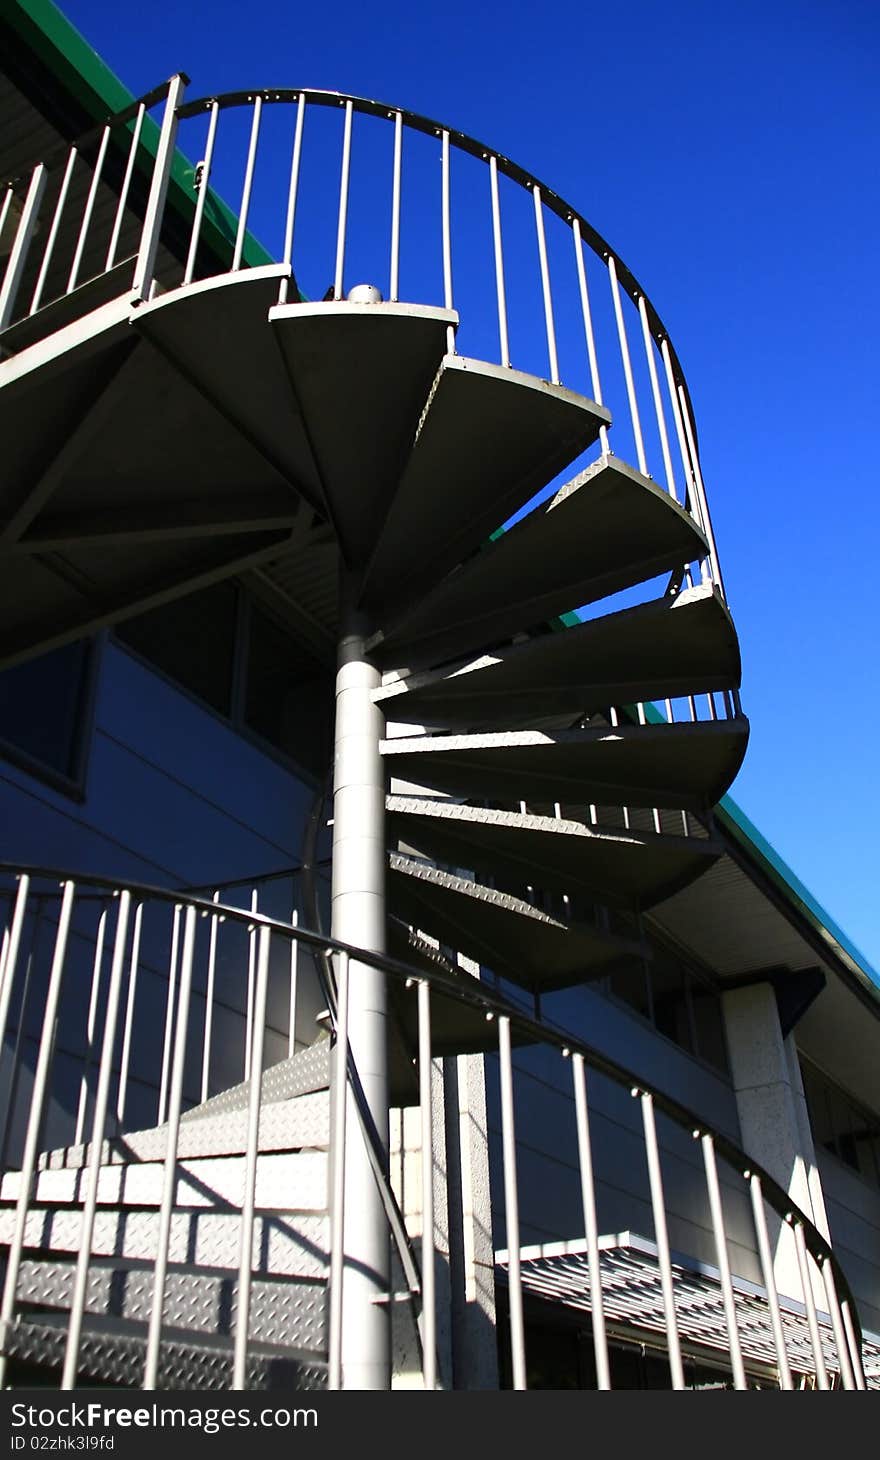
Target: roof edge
<point>742,830</point>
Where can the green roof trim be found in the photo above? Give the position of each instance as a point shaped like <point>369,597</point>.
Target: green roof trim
<point>82,74</point>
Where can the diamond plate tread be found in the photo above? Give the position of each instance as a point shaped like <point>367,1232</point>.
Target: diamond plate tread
<point>285,1125</point>
<point>281,1311</point>
<point>679,765</point>
<point>490,439</point>
<point>117,1357</point>
<point>301,1074</point>
<point>667,647</point>
<point>606,530</point>
<point>291,1245</point>
<point>555,854</point>
<point>508,935</point>
<point>285,1182</point>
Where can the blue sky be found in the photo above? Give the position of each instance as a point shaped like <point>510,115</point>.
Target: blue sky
<point>730,154</point>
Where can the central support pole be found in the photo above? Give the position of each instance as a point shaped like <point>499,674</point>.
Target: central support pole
<point>358,917</point>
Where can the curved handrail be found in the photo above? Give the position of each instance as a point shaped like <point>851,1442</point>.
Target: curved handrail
<point>493,1006</point>
<point>465,143</point>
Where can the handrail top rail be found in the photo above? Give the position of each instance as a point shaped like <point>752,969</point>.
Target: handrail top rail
<point>493,1005</point>
<point>429,126</point>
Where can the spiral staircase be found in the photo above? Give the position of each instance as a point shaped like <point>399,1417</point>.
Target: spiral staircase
<point>536,801</point>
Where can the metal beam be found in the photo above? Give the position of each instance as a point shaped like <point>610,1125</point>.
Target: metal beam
<point>164,522</point>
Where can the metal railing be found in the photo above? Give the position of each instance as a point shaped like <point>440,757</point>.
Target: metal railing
<point>78,1051</point>
<point>464,227</point>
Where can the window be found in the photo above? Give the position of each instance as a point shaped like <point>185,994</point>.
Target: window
<point>840,1125</point>
<point>192,641</point>
<point>223,646</point>
<point>680,1002</point>
<point>45,712</point>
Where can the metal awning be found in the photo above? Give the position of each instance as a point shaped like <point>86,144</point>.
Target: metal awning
<point>558,1272</point>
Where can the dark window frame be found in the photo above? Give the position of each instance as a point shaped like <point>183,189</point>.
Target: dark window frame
<point>75,784</point>
<point>235,720</point>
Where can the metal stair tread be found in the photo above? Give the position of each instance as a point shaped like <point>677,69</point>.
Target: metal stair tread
<point>215,334</point>
<point>684,764</point>
<point>490,438</point>
<point>115,1351</point>
<point>285,1125</point>
<point>514,939</point>
<point>361,374</point>
<point>666,647</point>
<point>604,531</point>
<point>554,854</point>
<point>286,1181</point>
<point>202,1300</point>
<point>293,1244</point>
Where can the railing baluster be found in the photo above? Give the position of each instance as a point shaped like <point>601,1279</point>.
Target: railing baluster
<point>169,1015</point>
<point>294,974</point>
<point>810,1305</point>
<point>245,1256</point>
<point>338,1101</point>
<point>343,202</point>
<point>661,1237</point>
<point>429,1287</point>
<point>6,205</point>
<point>209,1002</point>
<point>840,1338</point>
<point>394,272</point>
<point>854,1348</point>
<point>169,1174</point>
<point>658,403</point>
<point>27,225</point>
<point>252,965</point>
<point>757,1199</point>
<point>96,1151</point>
<point>717,1211</point>
<point>125,1055</point>
<point>591,1225</point>
<point>144,274</point>
<point>500,294</point>
<point>446,231</point>
<point>511,1207</point>
<point>627,366</point>
<point>290,221</point>
<point>247,185</point>
<point>126,184</point>
<point>595,382</point>
<point>10,959</point>
<point>90,1029</point>
<point>35,1116</point>
<point>21,1025</point>
<point>204,182</point>
<point>701,490</point>
<point>545,286</point>
<point>49,250</point>
<point>87,214</point>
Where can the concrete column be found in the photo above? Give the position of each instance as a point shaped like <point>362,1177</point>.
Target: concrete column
<point>471,1248</point>
<point>358,917</point>
<point>772,1129</point>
